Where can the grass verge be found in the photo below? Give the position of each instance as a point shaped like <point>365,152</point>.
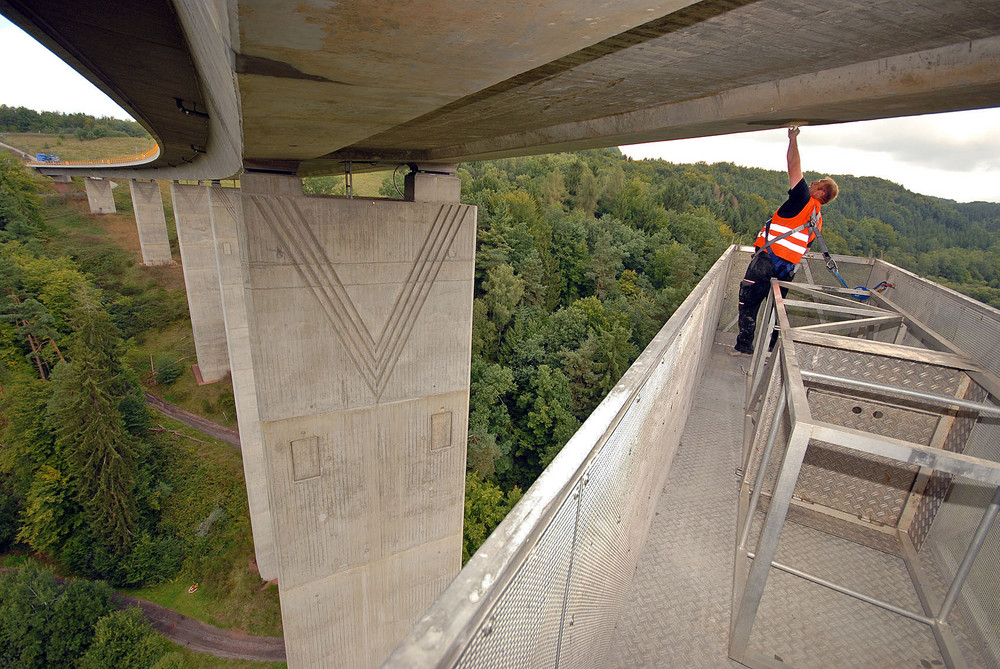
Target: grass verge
<point>68,147</point>
<point>207,506</point>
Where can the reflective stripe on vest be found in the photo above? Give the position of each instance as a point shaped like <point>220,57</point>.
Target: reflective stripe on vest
<point>794,246</point>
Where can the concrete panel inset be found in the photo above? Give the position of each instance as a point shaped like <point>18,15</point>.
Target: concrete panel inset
<point>305,458</point>
<point>441,430</point>
<point>147,203</point>
<point>360,316</point>
<point>224,212</point>
<point>193,216</point>
<point>99,195</point>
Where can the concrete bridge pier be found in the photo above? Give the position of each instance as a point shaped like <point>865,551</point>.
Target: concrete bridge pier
<point>193,217</point>
<point>147,204</point>
<point>227,248</point>
<point>99,195</point>
<point>359,317</point>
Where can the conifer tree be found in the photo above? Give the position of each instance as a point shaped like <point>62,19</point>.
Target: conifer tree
<point>89,430</point>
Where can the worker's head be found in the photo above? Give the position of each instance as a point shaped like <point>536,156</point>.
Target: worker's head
<point>825,190</point>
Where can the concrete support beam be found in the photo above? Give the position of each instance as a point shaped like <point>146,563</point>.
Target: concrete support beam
<point>147,204</point>
<point>224,208</point>
<point>99,195</point>
<point>360,316</point>
<point>193,217</point>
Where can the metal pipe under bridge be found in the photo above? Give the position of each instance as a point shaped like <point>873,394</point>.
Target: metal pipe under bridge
<point>830,503</point>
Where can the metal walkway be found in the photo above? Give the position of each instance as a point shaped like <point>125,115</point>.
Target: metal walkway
<point>678,610</point>
<point>677,614</point>
<point>881,491</point>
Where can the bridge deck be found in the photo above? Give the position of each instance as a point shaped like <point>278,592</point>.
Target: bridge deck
<point>678,611</point>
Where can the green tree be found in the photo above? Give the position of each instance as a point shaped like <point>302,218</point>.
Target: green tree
<point>489,420</point>
<point>25,596</point>
<point>613,354</point>
<point>548,422</point>
<point>70,628</point>
<point>27,439</point>
<point>124,640</point>
<point>674,265</point>
<point>578,366</point>
<point>485,506</point>
<point>20,208</point>
<point>45,624</point>
<point>89,430</point>
<point>588,192</point>
<point>553,189</point>
<point>49,512</point>
<point>10,508</point>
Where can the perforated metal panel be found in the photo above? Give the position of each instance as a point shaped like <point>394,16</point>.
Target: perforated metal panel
<point>523,628</point>
<point>972,326</point>
<point>939,484</point>
<point>951,532</point>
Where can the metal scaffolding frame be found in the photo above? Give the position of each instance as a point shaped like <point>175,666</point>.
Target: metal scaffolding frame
<point>875,328</point>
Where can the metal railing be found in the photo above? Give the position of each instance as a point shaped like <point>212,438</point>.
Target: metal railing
<point>877,386</point>
<point>547,586</point>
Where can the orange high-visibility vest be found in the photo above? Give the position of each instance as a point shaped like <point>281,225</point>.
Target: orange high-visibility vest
<point>792,247</point>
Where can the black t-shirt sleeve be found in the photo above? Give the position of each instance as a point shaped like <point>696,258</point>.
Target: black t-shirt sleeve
<point>798,198</point>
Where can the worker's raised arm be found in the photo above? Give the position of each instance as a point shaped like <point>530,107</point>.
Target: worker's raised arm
<point>794,163</point>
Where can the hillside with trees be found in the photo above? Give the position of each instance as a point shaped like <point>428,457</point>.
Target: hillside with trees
<point>581,258</point>
<point>92,483</point>
<point>81,126</point>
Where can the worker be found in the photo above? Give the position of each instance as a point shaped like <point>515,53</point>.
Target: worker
<point>781,242</point>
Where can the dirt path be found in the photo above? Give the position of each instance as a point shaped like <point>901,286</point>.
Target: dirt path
<point>214,430</point>
<point>198,636</point>
<point>202,637</point>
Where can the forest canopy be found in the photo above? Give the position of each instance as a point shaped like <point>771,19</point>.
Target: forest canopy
<point>581,258</point>
<point>81,126</point>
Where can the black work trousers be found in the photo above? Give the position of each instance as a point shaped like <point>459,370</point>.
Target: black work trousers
<point>753,290</point>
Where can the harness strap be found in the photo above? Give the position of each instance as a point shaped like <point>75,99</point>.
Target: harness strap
<point>767,231</point>
<point>831,264</point>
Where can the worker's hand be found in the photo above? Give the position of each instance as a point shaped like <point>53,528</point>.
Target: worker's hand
<point>793,132</point>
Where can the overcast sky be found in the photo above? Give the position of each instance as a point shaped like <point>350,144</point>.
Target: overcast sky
<point>955,156</point>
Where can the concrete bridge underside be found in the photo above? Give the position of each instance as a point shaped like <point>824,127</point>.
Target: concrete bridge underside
<point>347,322</point>
<point>301,88</point>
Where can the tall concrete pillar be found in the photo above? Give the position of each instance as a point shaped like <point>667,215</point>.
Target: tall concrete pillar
<point>227,248</point>
<point>193,217</point>
<point>99,195</point>
<point>360,319</point>
<point>147,204</point>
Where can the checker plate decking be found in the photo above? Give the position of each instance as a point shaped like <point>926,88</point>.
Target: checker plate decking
<point>678,610</point>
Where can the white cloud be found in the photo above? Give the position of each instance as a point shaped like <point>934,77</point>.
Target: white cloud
<point>954,156</point>
<point>960,142</point>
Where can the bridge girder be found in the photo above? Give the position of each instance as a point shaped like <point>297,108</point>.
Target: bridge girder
<point>305,88</point>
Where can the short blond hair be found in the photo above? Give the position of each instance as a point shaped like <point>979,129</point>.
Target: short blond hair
<point>831,188</point>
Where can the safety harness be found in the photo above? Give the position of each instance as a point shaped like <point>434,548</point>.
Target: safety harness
<point>812,224</point>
